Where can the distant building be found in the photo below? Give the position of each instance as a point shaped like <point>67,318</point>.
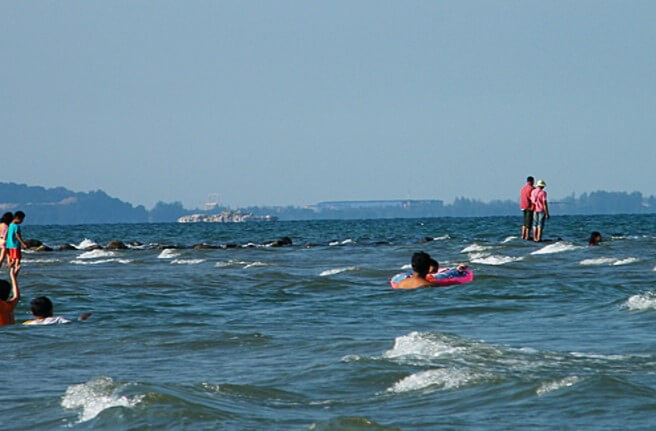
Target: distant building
<point>406,203</point>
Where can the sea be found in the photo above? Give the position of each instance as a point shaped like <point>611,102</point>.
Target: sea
<point>310,336</point>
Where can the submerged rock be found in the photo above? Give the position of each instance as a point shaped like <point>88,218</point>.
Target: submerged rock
<point>66,247</point>
<point>42,247</point>
<point>285,240</point>
<point>116,245</point>
<point>426,239</point>
<point>33,243</point>
<point>203,246</point>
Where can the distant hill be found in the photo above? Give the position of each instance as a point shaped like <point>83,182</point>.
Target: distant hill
<point>63,206</point>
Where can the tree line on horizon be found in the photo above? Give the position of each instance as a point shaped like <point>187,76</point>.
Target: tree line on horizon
<point>62,206</point>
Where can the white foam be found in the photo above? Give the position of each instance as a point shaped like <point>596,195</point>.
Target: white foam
<point>443,378</point>
<point>40,260</point>
<point>85,243</point>
<point>409,266</point>
<point>557,247</point>
<point>641,302</point>
<point>333,243</point>
<point>494,259</point>
<point>599,261</point>
<point>472,248</point>
<point>557,385</point>
<point>95,254</point>
<point>187,261</point>
<point>418,345</point>
<point>337,270</point>
<point>609,261</point>
<point>99,261</point>
<point>254,264</point>
<point>626,261</point>
<point>168,253</point>
<point>508,239</point>
<point>442,238</point>
<point>93,397</point>
<point>347,241</point>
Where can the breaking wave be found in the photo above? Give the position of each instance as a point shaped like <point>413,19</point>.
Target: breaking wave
<point>337,270</point>
<point>99,394</point>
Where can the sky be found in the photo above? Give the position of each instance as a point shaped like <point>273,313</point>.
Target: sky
<point>296,102</point>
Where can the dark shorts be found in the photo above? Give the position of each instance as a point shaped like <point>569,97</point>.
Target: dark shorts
<point>539,220</point>
<point>14,253</point>
<point>528,218</point>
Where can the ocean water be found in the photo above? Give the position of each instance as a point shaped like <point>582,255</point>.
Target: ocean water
<point>311,336</point>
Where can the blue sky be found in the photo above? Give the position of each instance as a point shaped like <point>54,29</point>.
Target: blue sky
<point>294,102</point>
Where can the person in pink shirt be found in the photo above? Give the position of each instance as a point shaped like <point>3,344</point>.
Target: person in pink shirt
<point>541,210</point>
<point>526,206</point>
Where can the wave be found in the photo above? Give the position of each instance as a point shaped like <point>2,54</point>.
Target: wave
<point>40,260</point>
<point>443,378</point>
<point>421,345</point>
<point>626,261</point>
<point>598,261</point>
<point>95,254</point>
<point>99,394</point>
<point>609,261</point>
<point>85,244</point>
<point>641,302</point>
<point>234,262</point>
<point>168,253</point>
<point>337,270</point>
<point>509,238</point>
<point>557,247</point>
<point>344,242</point>
<point>187,261</point>
<point>492,259</point>
<point>472,248</point>
<point>557,385</point>
<point>99,261</point>
<point>350,423</point>
<point>409,266</point>
<point>442,238</point>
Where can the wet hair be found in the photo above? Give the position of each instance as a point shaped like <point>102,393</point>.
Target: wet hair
<point>41,306</point>
<point>20,215</point>
<point>7,218</point>
<point>435,264</point>
<point>5,288</point>
<point>530,179</point>
<point>421,263</point>
<point>595,238</point>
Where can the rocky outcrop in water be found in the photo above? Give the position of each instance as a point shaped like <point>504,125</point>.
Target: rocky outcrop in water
<point>116,245</point>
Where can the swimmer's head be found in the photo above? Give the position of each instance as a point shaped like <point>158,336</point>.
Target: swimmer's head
<point>434,266</point>
<point>595,238</point>
<point>19,216</point>
<point>5,288</point>
<point>7,218</point>
<point>41,306</point>
<point>421,263</point>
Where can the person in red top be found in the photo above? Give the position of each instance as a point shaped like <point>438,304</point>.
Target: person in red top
<point>526,206</point>
<point>7,305</point>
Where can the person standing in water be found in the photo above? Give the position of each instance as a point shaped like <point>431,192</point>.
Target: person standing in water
<point>541,210</point>
<point>526,206</point>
